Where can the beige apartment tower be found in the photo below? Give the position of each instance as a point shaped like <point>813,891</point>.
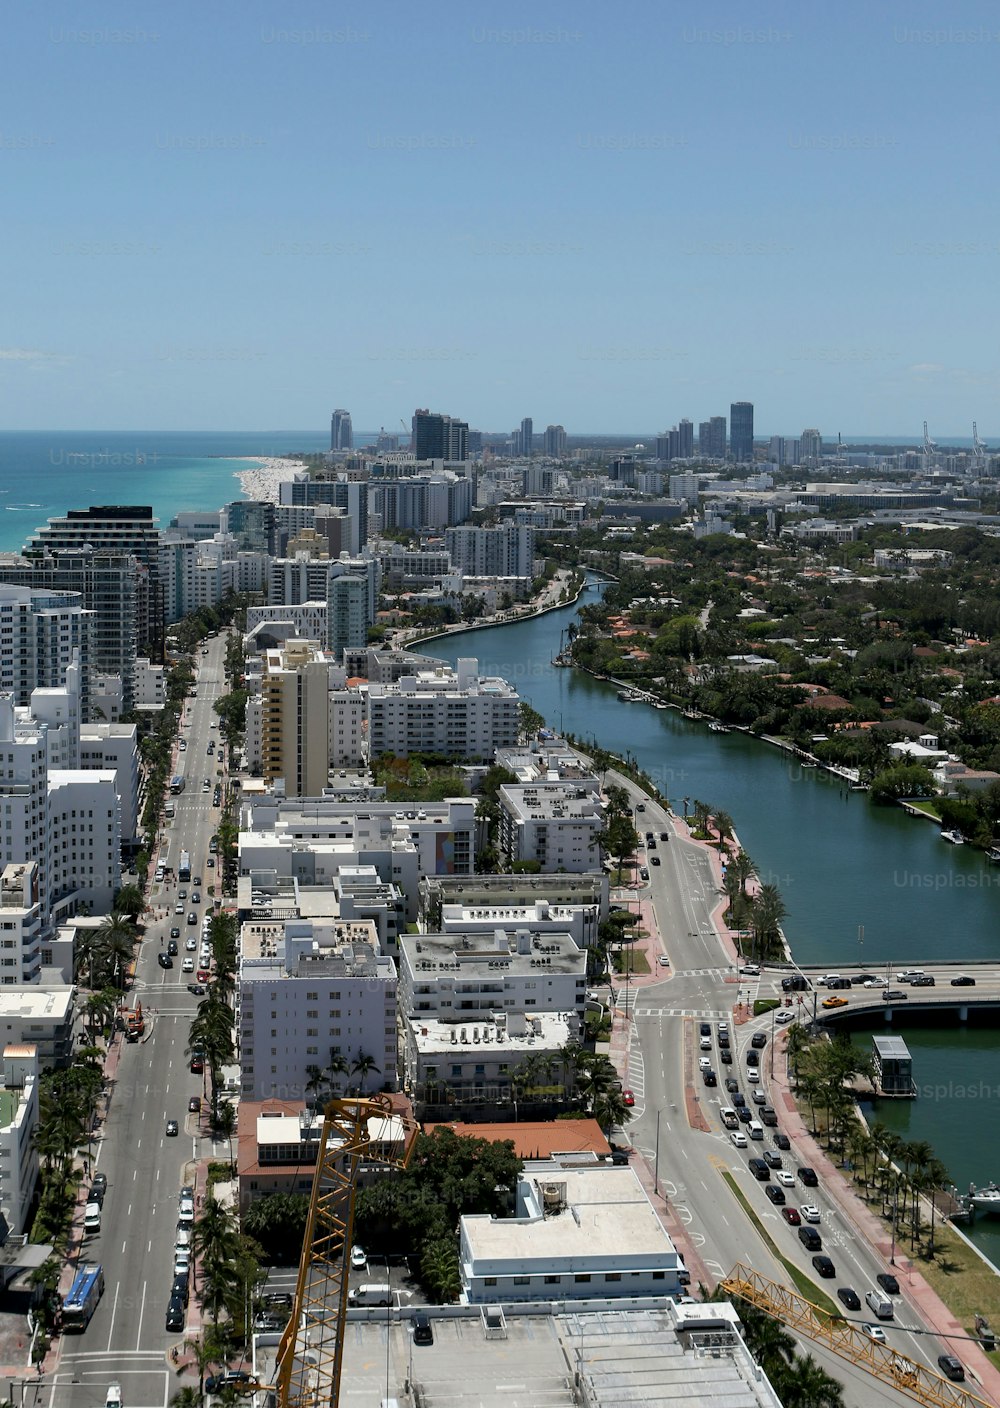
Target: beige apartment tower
<point>295,730</point>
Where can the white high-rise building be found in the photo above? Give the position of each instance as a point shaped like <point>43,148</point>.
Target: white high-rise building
<point>18,1121</point>
<point>455,713</point>
<point>507,551</point>
<point>41,634</point>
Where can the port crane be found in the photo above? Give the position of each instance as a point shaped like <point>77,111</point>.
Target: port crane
<point>978,447</point>
<point>930,447</point>
<point>846,1339</point>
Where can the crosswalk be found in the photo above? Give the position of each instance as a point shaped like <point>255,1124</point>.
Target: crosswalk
<point>703,1014</point>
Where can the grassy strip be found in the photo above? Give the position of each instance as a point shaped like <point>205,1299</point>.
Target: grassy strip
<point>799,1279</point>
<point>628,960</point>
<point>765,1004</point>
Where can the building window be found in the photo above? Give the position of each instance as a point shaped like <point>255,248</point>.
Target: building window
<point>522,1280</point>
<point>552,1280</point>
<point>613,1276</point>
<point>582,1277</point>
<point>489,1280</point>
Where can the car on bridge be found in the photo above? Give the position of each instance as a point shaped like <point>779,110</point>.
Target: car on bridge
<point>963,981</point>
<point>834,1002</point>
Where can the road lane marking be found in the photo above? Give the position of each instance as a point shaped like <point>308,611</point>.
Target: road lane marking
<point>113,1310</point>
<point>142,1307</point>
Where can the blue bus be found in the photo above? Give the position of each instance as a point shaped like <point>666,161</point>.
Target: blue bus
<point>85,1292</point>
<point>184,869</point>
<point>177,784</point>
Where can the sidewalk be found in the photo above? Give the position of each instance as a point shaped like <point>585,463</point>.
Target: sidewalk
<point>928,1304</point>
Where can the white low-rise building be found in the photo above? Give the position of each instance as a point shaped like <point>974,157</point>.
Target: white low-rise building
<point>471,976</point>
<point>556,824</point>
<point>581,1232</point>
<point>21,924</point>
<point>40,1015</point>
<point>18,1121</point>
<point>150,685</point>
<point>540,917</point>
<point>468,1065</point>
<point>308,990</point>
<point>454,713</point>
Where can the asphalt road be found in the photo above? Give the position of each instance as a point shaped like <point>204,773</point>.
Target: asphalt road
<point>126,1340</point>
<point>663,1058</point>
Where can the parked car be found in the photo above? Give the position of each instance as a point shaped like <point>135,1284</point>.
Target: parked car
<point>98,1187</point>
<point>175,1314</point>
<point>423,1333</point>
<point>726,1056</point>
<point>359,1259</point>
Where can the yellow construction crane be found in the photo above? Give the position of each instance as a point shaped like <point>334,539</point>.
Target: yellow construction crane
<point>311,1351</point>
<point>845,1338</point>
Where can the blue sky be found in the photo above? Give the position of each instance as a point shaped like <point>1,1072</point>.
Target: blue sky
<point>240,215</point>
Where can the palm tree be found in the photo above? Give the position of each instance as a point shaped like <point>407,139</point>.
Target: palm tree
<point>439,1269</point>
<point>339,1066</point>
<point>806,1384</point>
<point>131,902</point>
<point>767,910</point>
<point>225,1125</point>
<point>937,1176</point>
<point>362,1067</point>
<point>215,1236</point>
<point>610,1110</point>
<point>723,828</point>
<point>114,946</point>
<point>187,1397</point>
<point>217,1287</point>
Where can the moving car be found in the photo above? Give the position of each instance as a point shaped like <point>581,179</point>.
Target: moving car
<point>791,1216</point>
<point>190,944</point>
<point>874,1332</point>
<point>739,1139</point>
<point>810,1239</point>
<point>785,1178</point>
<point>164,960</point>
<point>172,948</point>
<point>834,1002</point>
<point>849,1296</point>
<point>783,1018</point>
<point>654,860</point>
<point>188,964</point>
<point>758,1041</point>
<point>798,982</point>
<point>888,1282</point>
<point>824,1266</point>
<point>196,897</point>
<point>196,989</point>
<point>171,1128</point>
<point>810,1213</point>
<point>710,1078</point>
<point>894,995</point>
<point>807,1176</point>
<point>175,933</point>
<point>196,882</point>
<point>951,1368</point>
<point>782,1141</point>
<point>775,1194</point>
<point>751,970</point>
<point>772,1159</point>
<point>192,918</point>
<point>962,981</point>
<point>758,1097</point>
<point>194,1105</point>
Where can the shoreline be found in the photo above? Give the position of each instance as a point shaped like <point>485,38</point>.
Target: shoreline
<point>263,477</point>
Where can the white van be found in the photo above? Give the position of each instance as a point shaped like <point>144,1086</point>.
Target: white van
<point>370,1293</point>
<point>182,1241</point>
<point>755,1129</point>
<point>92,1218</point>
<point>880,1304</point>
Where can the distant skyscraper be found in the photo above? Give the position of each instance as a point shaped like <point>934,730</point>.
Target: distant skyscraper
<point>555,442</point>
<point>439,437</point>
<point>741,431</point>
<point>685,433</point>
<point>673,443</point>
<point>811,442</point>
<point>341,433</point>
<point>527,436</point>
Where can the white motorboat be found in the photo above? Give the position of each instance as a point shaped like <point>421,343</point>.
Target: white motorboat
<point>954,837</point>
<point>986,1199</point>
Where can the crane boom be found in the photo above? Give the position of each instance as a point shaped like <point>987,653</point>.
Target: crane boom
<point>846,1339</point>
<point>311,1351</point>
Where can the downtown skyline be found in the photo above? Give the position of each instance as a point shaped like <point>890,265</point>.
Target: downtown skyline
<point>716,209</point>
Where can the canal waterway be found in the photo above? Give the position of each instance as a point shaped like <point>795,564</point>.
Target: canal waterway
<point>840,864</point>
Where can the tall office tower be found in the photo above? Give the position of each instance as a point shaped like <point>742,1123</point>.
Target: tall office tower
<point>776,450</point>
<point>685,433</point>
<point>112,528</point>
<point>673,443</point>
<point>704,438</point>
<point>811,442</point>
<point>555,442</point>
<point>717,439</point>
<point>663,445</point>
<point>475,442</point>
<point>741,431</point>
<point>113,586</point>
<point>527,440</point>
<point>341,434</point>
<point>295,719</point>
<point>251,522</point>
<point>456,439</point>
<point>439,437</point>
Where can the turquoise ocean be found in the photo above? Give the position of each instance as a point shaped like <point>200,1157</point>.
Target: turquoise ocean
<point>45,473</point>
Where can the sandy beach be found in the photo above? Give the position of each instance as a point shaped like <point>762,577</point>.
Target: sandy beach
<point>262,478</point>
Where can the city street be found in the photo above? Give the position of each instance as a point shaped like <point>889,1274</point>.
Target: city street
<point>662,1046</point>
<point>126,1340</point>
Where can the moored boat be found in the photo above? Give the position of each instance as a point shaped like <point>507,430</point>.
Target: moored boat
<point>954,837</point>
<point>993,855</point>
<point>986,1199</point>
